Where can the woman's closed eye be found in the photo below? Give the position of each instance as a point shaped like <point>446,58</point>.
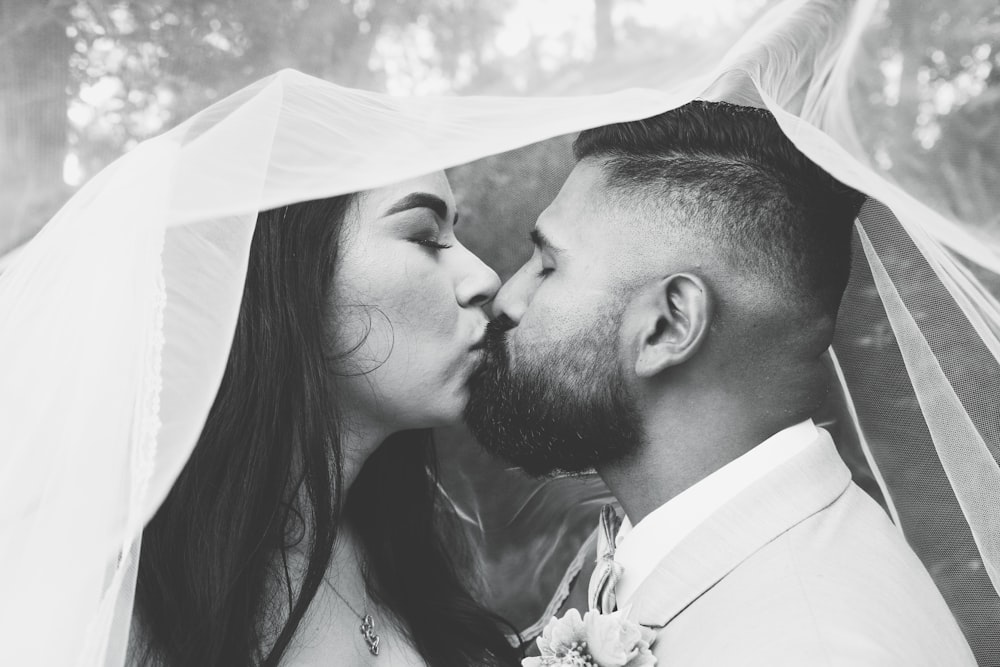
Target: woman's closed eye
<point>427,233</point>
<point>432,243</point>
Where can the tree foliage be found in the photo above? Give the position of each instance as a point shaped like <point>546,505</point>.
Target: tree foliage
<point>930,98</point>
<point>91,78</point>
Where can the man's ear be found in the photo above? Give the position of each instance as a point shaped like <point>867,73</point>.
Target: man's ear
<point>672,318</point>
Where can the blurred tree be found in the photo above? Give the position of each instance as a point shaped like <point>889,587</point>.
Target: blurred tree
<point>604,30</point>
<point>927,104</point>
<point>34,52</point>
<point>175,57</point>
<point>124,70</point>
<point>931,104</point>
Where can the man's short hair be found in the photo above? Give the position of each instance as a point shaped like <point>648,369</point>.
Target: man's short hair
<point>730,175</point>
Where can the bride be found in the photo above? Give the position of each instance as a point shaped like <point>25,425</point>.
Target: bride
<point>309,507</point>
<point>233,344</point>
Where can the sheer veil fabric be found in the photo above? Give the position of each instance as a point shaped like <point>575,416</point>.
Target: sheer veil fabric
<point>117,320</point>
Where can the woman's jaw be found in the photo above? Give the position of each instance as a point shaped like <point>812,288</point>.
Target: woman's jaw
<point>407,306</point>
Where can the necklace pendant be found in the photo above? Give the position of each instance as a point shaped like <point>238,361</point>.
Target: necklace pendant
<point>371,637</point>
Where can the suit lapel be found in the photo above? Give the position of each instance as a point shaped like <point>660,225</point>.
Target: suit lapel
<point>789,494</point>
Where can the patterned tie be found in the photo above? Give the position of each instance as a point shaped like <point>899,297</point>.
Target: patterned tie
<point>601,592</point>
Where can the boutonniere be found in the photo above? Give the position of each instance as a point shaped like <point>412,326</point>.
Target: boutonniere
<point>596,640</point>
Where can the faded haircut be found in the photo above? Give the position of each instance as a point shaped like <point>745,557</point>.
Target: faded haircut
<point>728,174</point>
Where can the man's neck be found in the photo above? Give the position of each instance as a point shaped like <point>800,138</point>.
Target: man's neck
<point>678,453</point>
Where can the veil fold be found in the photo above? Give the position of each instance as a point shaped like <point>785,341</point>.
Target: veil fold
<point>116,322</point>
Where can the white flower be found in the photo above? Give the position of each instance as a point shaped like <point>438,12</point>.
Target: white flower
<point>596,640</point>
<point>615,641</point>
<point>563,642</point>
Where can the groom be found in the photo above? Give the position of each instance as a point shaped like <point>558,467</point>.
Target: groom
<point>668,331</point>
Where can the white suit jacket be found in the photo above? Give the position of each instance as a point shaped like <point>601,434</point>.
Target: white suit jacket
<point>801,568</point>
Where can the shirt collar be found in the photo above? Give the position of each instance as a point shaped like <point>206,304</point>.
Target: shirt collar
<point>639,548</point>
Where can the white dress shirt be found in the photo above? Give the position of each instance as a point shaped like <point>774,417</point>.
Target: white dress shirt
<point>641,547</point>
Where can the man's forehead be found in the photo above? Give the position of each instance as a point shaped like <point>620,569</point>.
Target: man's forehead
<point>590,216</point>
<point>598,223</point>
<point>579,210</point>
<point>585,184</point>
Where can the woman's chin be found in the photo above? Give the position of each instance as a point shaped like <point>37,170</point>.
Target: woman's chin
<point>449,418</point>
<point>446,413</point>
<point>411,405</point>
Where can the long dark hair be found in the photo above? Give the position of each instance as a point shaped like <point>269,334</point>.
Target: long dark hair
<point>265,477</point>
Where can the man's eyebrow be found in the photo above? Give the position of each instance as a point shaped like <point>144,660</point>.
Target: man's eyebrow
<point>542,242</point>
<point>420,200</point>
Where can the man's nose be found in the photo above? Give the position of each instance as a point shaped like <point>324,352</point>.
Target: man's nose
<point>513,298</point>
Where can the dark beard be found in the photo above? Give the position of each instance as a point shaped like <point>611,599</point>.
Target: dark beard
<point>569,409</point>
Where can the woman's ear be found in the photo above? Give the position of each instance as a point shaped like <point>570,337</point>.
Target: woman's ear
<point>670,322</point>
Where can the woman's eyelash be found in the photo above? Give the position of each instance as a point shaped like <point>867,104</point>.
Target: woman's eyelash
<point>546,270</point>
<point>431,243</point>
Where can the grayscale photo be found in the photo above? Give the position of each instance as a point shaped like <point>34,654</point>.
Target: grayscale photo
<point>451,333</point>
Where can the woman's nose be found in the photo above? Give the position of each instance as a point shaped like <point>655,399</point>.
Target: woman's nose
<point>479,285</point>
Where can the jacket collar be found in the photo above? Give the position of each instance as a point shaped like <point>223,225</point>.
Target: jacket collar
<point>784,497</point>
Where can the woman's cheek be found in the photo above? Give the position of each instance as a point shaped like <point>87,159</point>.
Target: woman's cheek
<point>367,310</point>
<point>425,298</point>
<point>410,313</point>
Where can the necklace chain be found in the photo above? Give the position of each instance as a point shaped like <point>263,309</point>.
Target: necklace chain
<point>367,626</point>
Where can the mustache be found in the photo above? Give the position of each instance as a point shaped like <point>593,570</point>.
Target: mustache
<point>497,328</point>
<point>496,358</point>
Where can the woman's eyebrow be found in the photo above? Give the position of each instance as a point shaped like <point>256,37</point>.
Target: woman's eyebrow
<point>420,200</point>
